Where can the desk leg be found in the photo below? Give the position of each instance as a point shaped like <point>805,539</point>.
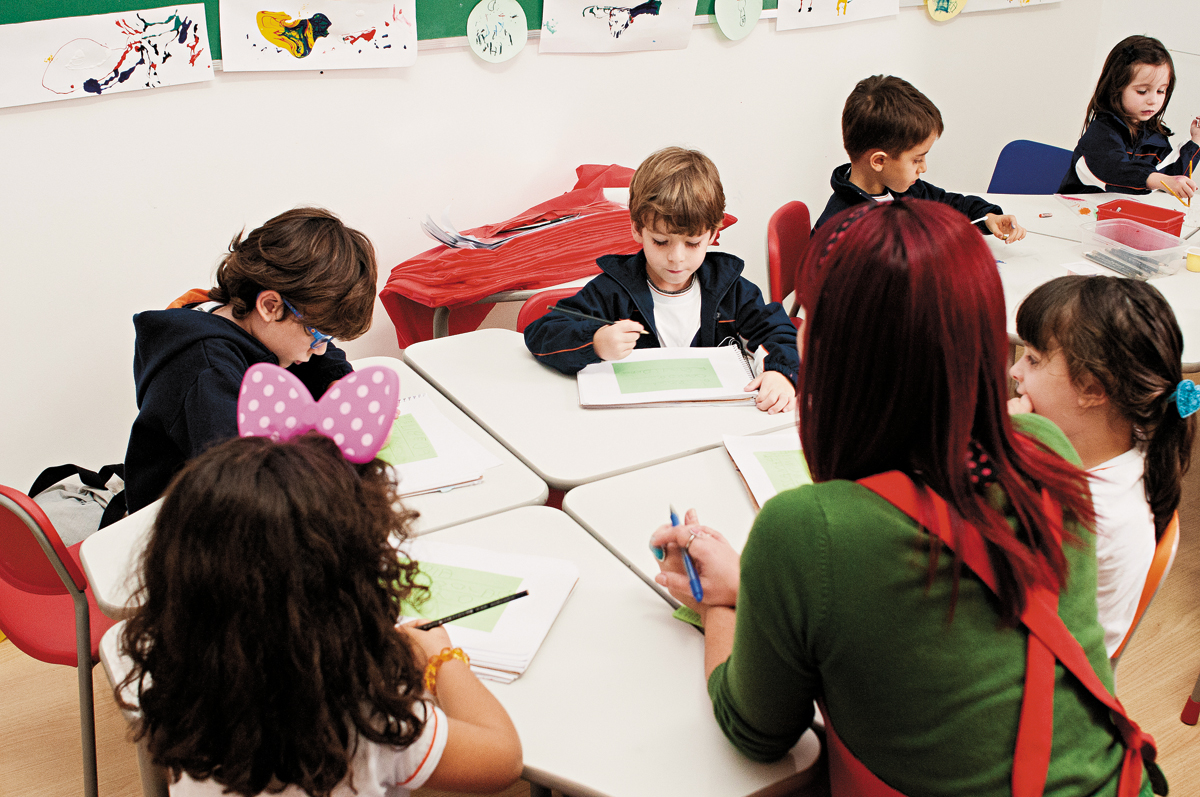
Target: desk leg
<point>441,322</point>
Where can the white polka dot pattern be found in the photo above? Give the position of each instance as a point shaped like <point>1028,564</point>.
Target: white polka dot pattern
<point>349,412</point>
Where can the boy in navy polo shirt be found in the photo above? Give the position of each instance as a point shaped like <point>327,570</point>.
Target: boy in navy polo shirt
<point>888,127</point>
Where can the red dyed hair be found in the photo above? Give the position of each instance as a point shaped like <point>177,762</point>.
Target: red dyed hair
<point>905,364</point>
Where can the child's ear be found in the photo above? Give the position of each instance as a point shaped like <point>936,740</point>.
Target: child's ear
<point>877,159</point>
<point>1091,392</point>
<point>269,306</point>
<point>637,232</point>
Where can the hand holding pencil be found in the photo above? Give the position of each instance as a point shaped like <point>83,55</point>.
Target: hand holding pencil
<point>715,562</point>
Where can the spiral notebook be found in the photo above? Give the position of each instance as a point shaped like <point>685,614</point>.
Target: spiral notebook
<point>428,453</point>
<point>768,463</point>
<point>668,377</point>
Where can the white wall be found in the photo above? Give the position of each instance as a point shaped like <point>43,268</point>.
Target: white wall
<point>115,204</point>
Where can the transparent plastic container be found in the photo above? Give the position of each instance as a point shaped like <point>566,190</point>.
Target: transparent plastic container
<point>1132,249</point>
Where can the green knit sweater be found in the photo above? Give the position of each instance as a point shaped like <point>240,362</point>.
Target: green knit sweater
<point>833,602</point>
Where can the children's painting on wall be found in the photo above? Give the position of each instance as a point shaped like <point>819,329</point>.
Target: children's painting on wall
<point>584,26</point>
<point>815,13</point>
<point>497,29</point>
<point>60,59</point>
<point>266,35</point>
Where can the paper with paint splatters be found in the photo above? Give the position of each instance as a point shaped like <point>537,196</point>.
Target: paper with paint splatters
<point>816,13</point>
<point>264,35</point>
<point>71,57</point>
<point>585,26</point>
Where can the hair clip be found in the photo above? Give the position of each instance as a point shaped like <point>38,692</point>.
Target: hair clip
<point>979,465</point>
<point>356,411</point>
<point>1186,398</point>
<point>859,211</point>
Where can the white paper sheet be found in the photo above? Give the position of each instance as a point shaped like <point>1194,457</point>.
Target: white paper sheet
<point>449,457</point>
<point>815,13</point>
<point>60,59</point>
<point>580,26</point>
<point>665,377</point>
<point>768,463</point>
<point>317,34</point>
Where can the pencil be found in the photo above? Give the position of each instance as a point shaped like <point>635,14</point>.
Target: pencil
<point>469,612</point>
<point>584,316</point>
<point>1164,185</point>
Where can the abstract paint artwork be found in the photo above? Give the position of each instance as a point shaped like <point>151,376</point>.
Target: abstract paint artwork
<point>265,35</point>
<point>497,29</point>
<point>59,59</point>
<point>815,13</point>
<point>572,26</point>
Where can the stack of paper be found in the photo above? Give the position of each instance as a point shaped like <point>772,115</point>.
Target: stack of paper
<point>500,641</point>
<point>446,234</point>
<point>668,377</point>
<point>769,463</point>
<point>429,453</point>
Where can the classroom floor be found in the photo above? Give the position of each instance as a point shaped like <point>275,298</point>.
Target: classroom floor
<point>39,716</point>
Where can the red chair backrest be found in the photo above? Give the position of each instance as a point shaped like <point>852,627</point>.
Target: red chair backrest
<point>23,562</point>
<point>538,305</point>
<point>787,240</point>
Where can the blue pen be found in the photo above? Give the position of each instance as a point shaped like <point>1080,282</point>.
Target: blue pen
<point>693,579</point>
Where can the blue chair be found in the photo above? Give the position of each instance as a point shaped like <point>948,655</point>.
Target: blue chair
<point>1027,167</point>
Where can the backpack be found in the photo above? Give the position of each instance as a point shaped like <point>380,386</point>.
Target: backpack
<point>78,501</point>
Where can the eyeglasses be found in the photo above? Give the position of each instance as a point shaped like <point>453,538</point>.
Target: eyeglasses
<point>319,338</point>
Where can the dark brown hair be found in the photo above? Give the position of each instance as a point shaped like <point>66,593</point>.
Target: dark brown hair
<point>887,113</point>
<point>264,645</point>
<point>904,369</point>
<point>680,188</point>
<point>1117,74</point>
<point>324,268</point>
<point>1125,335</point>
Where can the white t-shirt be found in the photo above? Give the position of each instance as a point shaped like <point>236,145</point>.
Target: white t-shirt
<point>379,770</point>
<point>677,316</point>
<point>1124,541</point>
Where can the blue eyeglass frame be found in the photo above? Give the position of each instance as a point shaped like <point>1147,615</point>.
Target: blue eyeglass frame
<point>319,338</point>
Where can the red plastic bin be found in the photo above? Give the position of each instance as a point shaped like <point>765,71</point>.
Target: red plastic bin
<point>1169,221</point>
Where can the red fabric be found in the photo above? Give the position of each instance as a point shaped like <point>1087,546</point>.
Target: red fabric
<point>1049,640</point>
<point>849,777</point>
<point>457,278</point>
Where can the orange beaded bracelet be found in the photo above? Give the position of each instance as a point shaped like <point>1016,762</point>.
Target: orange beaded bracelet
<point>435,662</point>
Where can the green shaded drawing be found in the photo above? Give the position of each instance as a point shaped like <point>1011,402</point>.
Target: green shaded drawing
<point>785,469</point>
<point>407,443</point>
<point>651,375</point>
<point>453,589</point>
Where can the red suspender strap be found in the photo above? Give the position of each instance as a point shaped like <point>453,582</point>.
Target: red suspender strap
<point>1049,640</point>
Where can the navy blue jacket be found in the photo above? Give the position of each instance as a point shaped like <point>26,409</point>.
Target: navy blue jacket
<point>187,368</point>
<point>846,194</point>
<point>731,308</point>
<point>1109,158</point>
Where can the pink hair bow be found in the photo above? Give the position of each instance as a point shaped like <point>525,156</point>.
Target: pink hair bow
<point>356,411</point>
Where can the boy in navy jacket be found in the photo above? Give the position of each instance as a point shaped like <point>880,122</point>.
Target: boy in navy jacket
<point>675,290</point>
<point>888,127</point>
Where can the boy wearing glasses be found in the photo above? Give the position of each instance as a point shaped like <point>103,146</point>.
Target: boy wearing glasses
<point>282,293</point>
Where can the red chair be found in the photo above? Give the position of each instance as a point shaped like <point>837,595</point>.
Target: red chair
<point>788,232</point>
<point>1160,565</point>
<point>46,607</point>
<point>538,305</point>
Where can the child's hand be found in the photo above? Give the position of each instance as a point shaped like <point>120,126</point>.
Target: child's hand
<point>776,393</point>
<point>427,643</point>
<point>615,341</point>
<point>717,563</point>
<point>1181,185</point>
<point>1020,405</point>
<point>1005,227</point>
<point>1195,130</point>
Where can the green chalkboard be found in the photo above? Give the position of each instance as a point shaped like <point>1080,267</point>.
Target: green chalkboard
<point>436,19</point>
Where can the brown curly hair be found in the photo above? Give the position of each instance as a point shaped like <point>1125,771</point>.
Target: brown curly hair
<point>679,188</point>
<point>324,268</point>
<point>265,644</point>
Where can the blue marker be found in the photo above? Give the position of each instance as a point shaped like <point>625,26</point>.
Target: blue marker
<point>693,579</point>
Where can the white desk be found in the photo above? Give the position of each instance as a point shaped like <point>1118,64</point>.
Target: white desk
<point>622,511</point>
<point>615,702</point>
<point>109,554</point>
<point>534,410</point>
<point>1039,258</point>
<point>1064,222</point>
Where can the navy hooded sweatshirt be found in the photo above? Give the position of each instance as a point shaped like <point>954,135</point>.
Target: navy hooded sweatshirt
<point>187,368</point>
<point>846,194</point>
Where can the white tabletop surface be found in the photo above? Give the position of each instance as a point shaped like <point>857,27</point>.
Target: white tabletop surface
<point>615,701</point>
<point>622,511</point>
<point>534,410</point>
<point>1064,221</point>
<point>1026,264</point>
<point>110,554</point>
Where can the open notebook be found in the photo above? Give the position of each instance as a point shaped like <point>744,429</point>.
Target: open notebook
<point>429,453</point>
<point>500,641</point>
<point>666,377</point>
<point>769,463</point>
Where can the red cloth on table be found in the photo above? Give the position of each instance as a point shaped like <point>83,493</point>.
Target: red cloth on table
<point>458,278</point>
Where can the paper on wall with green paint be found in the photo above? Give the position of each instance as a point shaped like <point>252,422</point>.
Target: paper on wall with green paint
<point>769,463</point>
<point>428,452</point>
<point>500,641</point>
<point>668,377</point>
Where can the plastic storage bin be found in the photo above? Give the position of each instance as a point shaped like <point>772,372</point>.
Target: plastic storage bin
<point>1169,221</point>
<point>1132,249</point>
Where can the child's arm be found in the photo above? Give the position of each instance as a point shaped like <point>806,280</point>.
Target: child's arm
<point>766,325</point>
<point>616,341</point>
<point>973,207</point>
<point>776,393</point>
<point>567,344</point>
<point>483,751</point>
<point>1005,227</point>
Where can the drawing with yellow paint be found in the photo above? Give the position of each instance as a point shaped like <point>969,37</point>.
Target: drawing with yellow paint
<point>296,36</point>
